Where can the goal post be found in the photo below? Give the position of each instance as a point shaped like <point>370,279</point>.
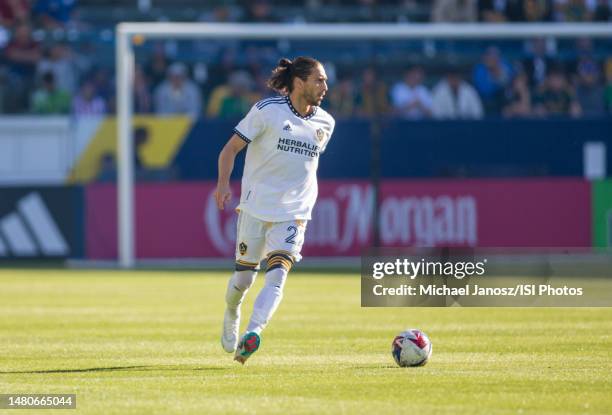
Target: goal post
<point>125,62</point>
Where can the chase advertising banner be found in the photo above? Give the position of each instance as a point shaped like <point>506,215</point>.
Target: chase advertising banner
<point>40,223</point>
<point>182,221</point>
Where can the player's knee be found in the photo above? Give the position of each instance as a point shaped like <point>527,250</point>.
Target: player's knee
<point>244,279</point>
<point>279,260</point>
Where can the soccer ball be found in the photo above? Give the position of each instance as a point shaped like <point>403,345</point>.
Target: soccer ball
<point>411,348</point>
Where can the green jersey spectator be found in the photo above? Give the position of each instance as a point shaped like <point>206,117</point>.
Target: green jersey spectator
<point>49,99</point>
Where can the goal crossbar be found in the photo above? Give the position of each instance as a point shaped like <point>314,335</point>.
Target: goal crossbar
<point>364,30</point>
<point>124,52</point>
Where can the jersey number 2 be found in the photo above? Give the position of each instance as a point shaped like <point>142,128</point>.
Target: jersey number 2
<point>291,238</point>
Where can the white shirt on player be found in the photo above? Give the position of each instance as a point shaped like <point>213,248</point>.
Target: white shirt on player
<point>279,182</point>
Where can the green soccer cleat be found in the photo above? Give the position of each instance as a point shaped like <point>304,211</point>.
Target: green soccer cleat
<point>247,346</point>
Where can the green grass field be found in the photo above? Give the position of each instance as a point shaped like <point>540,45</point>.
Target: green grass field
<point>148,343</point>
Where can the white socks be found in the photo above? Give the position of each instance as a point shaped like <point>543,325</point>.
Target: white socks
<point>237,287</point>
<point>268,300</point>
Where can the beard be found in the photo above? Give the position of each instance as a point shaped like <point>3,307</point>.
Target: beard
<point>313,99</point>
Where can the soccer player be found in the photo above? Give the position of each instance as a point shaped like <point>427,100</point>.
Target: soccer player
<point>285,136</point>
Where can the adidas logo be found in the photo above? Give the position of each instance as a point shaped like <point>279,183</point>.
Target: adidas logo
<point>31,231</point>
<point>287,127</point>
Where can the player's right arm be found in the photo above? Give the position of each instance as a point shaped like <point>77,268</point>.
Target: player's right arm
<point>223,193</point>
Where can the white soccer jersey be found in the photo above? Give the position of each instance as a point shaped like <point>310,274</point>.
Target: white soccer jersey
<point>279,182</point>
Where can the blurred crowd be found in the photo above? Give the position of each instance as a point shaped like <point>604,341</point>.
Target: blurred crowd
<point>521,10</point>
<point>534,87</point>
<point>52,75</point>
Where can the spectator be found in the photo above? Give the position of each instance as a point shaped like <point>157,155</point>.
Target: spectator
<point>572,11</point>
<point>157,68</point>
<point>582,50</point>
<point>584,46</point>
<point>23,53</point>
<point>410,98</point>
<point>372,98</point>
<point>259,11</point>
<point>226,63</point>
<point>87,102</point>
<point>58,59</point>
<point>453,98</point>
<point>49,99</point>
<point>342,98</point>
<point>239,98</point>
<point>494,11</point>
<point>215,100</point>
<point>583,65</point>
<point>454,11</point>
<point>178,94</point>
<point>53,14</point>
<point>105,87</point>
<point>491,11</point>
<point>14,97</point>
<point>14,12</point>
<point>589,92</point>
<point>260,88</point>
<point>538,10</point>
<point>608,91</point>
<point>517,98</point>
<point>143,102</point>
<point>555,97</point>
<point>601,10</point>
<point>221,13</point>
<point>257,57</point>
<point>218,79</point>
<point>491,77</point>
<point>514,10</point>
<point>84,56</point>
<point>537,63</point>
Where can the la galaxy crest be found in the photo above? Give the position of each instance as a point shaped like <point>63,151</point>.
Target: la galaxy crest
<point>320,134</point>
<point>242,248</point>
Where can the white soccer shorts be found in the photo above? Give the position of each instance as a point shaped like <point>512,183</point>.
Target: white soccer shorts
<point>257,238</point>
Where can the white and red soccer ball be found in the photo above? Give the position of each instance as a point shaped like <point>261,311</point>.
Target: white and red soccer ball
<point>411,348</point>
